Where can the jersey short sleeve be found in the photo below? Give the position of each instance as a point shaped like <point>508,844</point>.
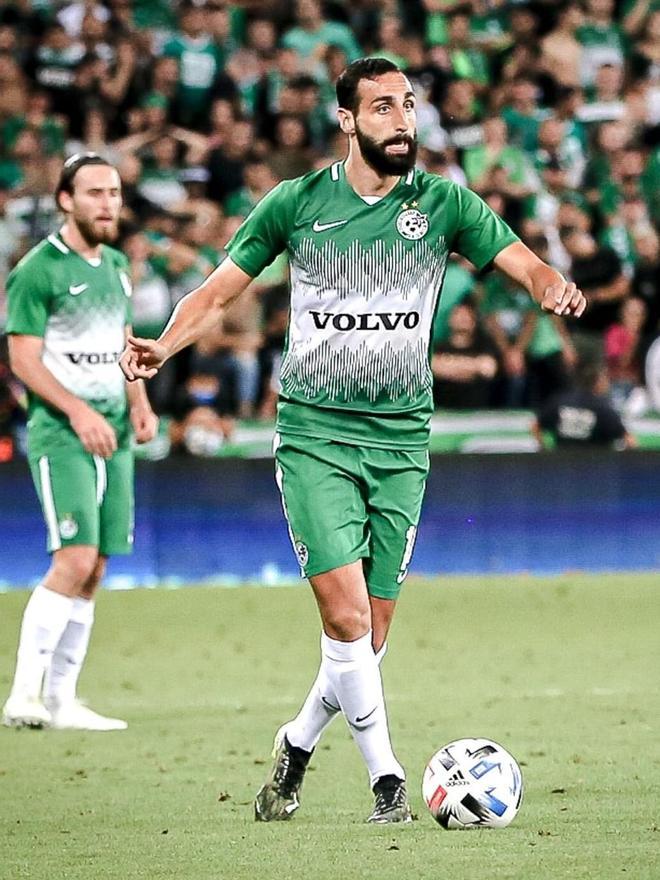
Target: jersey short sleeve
<point>124,269</point>
<point>27,302</point>
<point>481,234</point>
<point>264,233</point>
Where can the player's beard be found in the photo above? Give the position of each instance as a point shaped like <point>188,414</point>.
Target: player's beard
<point>95,232</point>
<point>374,153</point>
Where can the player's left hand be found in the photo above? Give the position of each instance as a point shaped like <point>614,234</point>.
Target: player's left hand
<point>145,423</point>
<point>564,298</point>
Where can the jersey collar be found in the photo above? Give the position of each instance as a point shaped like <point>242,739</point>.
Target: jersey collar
<point>338,174</point>
<point>57,243</point>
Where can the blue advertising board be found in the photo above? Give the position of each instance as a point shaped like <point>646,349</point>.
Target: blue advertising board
<point>221,520</point>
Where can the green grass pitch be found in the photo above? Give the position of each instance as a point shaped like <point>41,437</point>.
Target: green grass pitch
<point>562,671</point>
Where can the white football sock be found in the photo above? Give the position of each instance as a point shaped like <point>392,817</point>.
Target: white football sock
<point>353,672</point>
<point>44,620</point>
<point>318,710</point>
<point>69,655</point>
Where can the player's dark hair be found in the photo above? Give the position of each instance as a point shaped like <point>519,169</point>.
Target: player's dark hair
<point>71,168</point>
<point>363,68</point>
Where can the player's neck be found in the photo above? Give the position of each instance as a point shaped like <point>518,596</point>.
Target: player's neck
<point>72,238</point>
<point>364,179</point>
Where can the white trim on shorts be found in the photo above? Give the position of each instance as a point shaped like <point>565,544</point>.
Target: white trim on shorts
<point>49,503</point>
<point>101,478</point>
<point>279,479</point>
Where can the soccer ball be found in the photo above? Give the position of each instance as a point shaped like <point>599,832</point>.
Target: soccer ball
<point>473,783</point>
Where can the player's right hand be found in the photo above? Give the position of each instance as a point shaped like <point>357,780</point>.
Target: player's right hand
<point>142,358</point>
<point>94,431</point>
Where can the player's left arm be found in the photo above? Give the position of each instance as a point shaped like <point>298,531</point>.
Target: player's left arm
<point>544,284</point>
<point>143,419</point>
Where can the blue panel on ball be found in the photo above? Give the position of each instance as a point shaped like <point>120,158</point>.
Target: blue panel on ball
<point>494,804</point>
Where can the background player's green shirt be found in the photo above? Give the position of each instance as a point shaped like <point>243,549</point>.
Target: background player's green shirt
<point>80,309</point>
<point>365,282</point>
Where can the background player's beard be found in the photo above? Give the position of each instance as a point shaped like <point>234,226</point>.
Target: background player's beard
<point>96,233</point>
<point>374,154</point>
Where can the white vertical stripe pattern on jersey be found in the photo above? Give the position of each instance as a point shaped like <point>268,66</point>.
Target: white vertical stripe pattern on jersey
<point>101,478</point>
<point>410,175</point>
<point>400,270</point>
<point>334,171</point>
<point>49,503</point>
<point>411,274</point>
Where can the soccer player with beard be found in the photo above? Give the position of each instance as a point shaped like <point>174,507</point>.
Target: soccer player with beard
<point>68,317</point>
<point>368,241</point>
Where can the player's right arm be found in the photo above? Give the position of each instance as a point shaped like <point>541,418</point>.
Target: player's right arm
<point>261,238</point>
<point>195,315</point>
<point>95,433</point>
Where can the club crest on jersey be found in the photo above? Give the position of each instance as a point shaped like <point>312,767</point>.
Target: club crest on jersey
<point>411,223</point>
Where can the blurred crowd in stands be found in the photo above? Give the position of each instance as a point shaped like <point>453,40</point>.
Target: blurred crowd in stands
<point>548,109</point>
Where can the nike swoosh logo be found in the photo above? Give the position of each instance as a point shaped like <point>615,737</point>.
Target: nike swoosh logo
<point>75,289</point>
<point>323,227</point>
<point>328,705</point>
<point>364,717</point>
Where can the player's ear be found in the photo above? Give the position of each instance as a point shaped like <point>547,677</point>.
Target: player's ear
<point>64,201</point>
<point>346,120</point>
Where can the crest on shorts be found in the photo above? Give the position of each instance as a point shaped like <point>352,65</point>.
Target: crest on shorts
<point>411,223</point>
<point>302,553</point>
<point>68,527</point>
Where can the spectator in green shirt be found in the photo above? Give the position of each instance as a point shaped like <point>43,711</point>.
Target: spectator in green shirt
<point>467,61</point>
<point>200,64</point>
<point>601,39</point>
<point>479,161</point>
<point>522,114</point>
<point>312,35</point>
<point>258,180</point>
<point>555,143</point>
<point>436,20</point>
<point>605,99</point>
<point>390,41</point>
<point>37,117</point>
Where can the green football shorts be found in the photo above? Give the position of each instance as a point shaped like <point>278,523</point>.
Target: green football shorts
<point>343,503</point>
<point>86,499</point>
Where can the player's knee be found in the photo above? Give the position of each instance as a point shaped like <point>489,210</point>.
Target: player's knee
<point>348,624</point>
<point>91,584</point>
<point>76,565</point>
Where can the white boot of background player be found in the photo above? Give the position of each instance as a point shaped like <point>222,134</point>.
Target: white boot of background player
<point>61,680</point>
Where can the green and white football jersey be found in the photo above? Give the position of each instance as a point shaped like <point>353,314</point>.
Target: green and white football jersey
<point>365,284</point>
<point>81,310</point>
